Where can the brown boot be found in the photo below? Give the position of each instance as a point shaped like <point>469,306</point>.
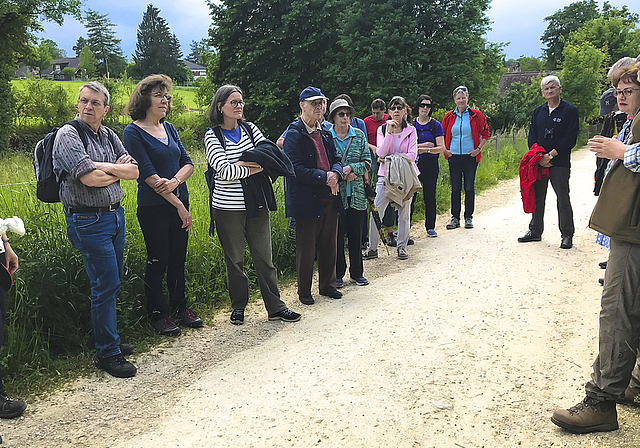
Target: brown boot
<point>590,415</point>
<point>631,397</point>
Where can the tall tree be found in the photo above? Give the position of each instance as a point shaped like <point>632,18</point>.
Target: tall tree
<point>40,58</point>
<point>79,45</point>
<point>17,19</point>
<point>582,77</point>
<point>197,48</point>
<point>55,51</point>
<point>88,62</point>
<point>561,24</point>
<point>102,40</point>
<point>157,49</point>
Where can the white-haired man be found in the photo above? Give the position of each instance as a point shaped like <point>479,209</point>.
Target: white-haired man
<point>554,126</point>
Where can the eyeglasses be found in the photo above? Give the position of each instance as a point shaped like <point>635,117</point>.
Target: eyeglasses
<point>396,107</point>
<point>624,92</point>
<point>425,104</point>
<point>159,96</point>
<point>344,114</point>
<point>94,103</point>
<point>236,103</point>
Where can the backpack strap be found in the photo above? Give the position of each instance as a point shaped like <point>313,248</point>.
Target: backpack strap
<point>384,129</point>
<point>432,129</point>
<point>245,126</point>
<point>83,136</point>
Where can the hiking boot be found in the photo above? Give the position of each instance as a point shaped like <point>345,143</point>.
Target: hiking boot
<point>116,366</point>
<point>237,316</point>
<point>631,397</point>
<point>370,254</point>
<point>590,415</point>
<point>528,237</point>
<point>166,327</point>
<point>566,243</point>
<point>335,294</point>
<point>454,223</point>
<point>360,281</point>
<point>391,240</point>
<point>286,315</point>
<point>11,408</point>
<point>339,283</point>
<point>468,223</point>
<point>189,319</point>
<point>432,233</point>
<point>402,253</point>
<point>126,349</point>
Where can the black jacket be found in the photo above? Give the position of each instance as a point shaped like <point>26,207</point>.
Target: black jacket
<point>557,131</point>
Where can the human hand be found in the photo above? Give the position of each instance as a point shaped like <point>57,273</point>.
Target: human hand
<point>12,259</point>
<point>124,158</point>
<point>475,152</point>
<point>185,216</point>
<point>394,126</point>
<point>545,161</point>
<point>447,153</point>
<point>351,176</point>
<point>164,185</point>
<point>332,179</point>
<point>335,190</point>
<point>607,148</point>
<point>346,170</point>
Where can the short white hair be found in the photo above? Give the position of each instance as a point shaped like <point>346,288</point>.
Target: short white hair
<point>549,79</point>
<point>622,62</point>
<point>97,87</point>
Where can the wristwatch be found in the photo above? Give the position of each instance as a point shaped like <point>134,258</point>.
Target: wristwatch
<point>429,150</point>
<point>550,156</point>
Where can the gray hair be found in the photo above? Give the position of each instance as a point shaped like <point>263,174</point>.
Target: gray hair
<point>549,79</point>
<point>214,114</point>
<point>461,89</point>
<point>622,62</point>
<point>98,88</point>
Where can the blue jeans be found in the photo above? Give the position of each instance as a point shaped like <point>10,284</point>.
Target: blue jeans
<point>100,239</point>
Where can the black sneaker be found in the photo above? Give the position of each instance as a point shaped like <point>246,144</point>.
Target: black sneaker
<point>11,408</point>
<point>528,237</point>
<point>189,319</point>
<point>454,223</point>
<point>410,242</point>
<point>286,315</point>
<point>391,240</point>
<point>165,327</point>
<point>126,349</point>
<point>116,366</point>
<point>237,316</point>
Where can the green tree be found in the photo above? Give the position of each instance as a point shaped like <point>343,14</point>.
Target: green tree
<point>102,40</point>
<point>88,62</point>
<point>561,24</point>
<point>197,48</point>
<point>40,58</point>
<point>531,64</point>
<point>582,77</point>
<point>80,44</point>
<point>54,50</point>
<point>157,49</point>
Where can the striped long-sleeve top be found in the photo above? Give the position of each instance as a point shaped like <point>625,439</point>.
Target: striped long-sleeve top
<point>227,193</point>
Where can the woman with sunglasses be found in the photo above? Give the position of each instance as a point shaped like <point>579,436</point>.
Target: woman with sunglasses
<point>353,150</point>
<point>430,145</point>
<point>224,147</point>
<point>397,136</point>
<point>163,201</point>
<point>465,133</point>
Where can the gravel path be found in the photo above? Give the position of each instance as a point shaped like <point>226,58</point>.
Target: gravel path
<point>472,342</point>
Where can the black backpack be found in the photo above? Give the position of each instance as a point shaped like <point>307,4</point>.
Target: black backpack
<point>210,174</point>
<point>47,183</point>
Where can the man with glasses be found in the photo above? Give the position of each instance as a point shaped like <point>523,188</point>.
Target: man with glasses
<point>554,126</point>
<point>90,166</point>
<point>312,197</point>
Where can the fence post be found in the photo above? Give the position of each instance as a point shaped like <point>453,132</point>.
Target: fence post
<point>515,136</point>
<point>498,143</point>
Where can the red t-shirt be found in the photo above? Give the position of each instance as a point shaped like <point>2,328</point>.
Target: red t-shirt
<point>372,128</point>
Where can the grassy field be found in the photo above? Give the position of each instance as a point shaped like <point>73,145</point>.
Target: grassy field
<point>188,94</point>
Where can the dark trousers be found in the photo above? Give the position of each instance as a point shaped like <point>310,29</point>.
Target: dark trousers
<point>317,235</point>
<point>429,171</point>
<point>166,243</point>
<point>463,167</point>
<point>3,313</point>
<point>233,228</point>
<point>350,224</point>
<point>559,177</point>
<point>619,323</point>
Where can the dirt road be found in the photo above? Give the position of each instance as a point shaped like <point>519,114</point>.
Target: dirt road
<point>472,342</point>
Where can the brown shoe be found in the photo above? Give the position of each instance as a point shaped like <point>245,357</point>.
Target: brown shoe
<point>631,397</point>
<point>590,415</point>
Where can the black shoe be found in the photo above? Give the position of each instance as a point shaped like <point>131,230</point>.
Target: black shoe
<point>601,281</point>
<point>126,349</point>
<point>603,265</point>
<point>189,319</point>
<point>454,223</point>
<point>286,315</point>
<point>165,327</point>
<point>116,366</point>
<point>468,223</point>
<point>410,242</point>
<point>237,316</point>
<point>360,281</point>
<point>528,237</point>
<point>335,294</point>
<point>391,240</point>
<point>307,300</point>
<point>339,283</point>
<point>11,408</point>
<point>566,243</point>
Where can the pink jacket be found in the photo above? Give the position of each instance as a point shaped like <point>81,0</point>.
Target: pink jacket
<point>408,145</point>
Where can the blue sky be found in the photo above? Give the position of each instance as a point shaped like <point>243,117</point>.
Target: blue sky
<point>519,22</point>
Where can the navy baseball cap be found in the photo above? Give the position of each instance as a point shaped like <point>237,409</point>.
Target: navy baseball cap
<point>310,94</point>
<point>607,102</point>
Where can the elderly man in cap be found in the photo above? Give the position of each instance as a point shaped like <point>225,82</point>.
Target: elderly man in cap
<point>312,197</point>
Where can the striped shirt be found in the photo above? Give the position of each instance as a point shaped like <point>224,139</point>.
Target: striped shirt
<point>70,155</point>
<point>228,193</point>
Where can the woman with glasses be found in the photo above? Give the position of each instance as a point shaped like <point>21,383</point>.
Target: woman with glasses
<point>430,145</point>
<point>163,201</point>
<point>397,136</point>
<point>353,149</point>
<point>465,133</point>
<point>225,144</point>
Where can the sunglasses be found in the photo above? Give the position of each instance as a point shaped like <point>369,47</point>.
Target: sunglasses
<point>397,107</point>
<point>425,104</point>
<point>343,114</point>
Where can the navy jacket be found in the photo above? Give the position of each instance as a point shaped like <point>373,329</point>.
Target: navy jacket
<point>558,130</point>
<point>303,193</point>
